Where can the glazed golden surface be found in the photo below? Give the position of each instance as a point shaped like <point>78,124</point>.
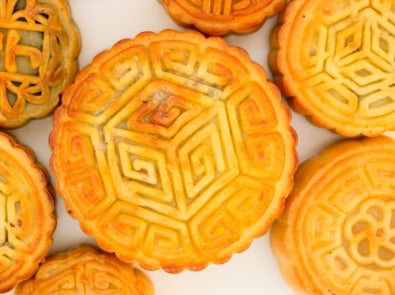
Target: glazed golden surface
<point>220,17</point>
<point>86,271</point>
<point>335,62</point>
<point>38,58</point>
<point>173,150</point>
<point>337,233</point>
<point>27,212</point>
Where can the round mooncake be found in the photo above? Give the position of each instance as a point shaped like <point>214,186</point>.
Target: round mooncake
<point>39,49</point>
<point>220,17</point>
<point>86,270</point>
<point>173,150</point>
<point>337,232</point>
<point>334,60</point>
<point>27,213</point>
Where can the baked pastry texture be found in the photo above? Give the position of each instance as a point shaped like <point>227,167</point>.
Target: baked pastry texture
<point>337,232</point>
<point>39,50</point>
<point>220,17</point>
<point>335,62</point>
<point>27,213</point>
<point>86,270</point>
<point>173,150</point>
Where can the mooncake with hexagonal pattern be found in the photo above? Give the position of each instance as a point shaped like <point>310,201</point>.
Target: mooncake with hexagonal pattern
<point>334,60</point>
<point>173,150</point>
<point>337,232</point>
<point>27,213</point>
<point>39,47</point>
<point>221,17</point>
<point>86,270</point>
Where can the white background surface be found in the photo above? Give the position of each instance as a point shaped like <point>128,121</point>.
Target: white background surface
<point>104,22</point>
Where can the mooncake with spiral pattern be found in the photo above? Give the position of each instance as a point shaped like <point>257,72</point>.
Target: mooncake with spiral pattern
<point>334,60</point>
<point>27,213</point>
<point>39,47</point>
<point>86,270</point>
<point>173,150</point>
<point>221,17</point>
<point>337,232</point>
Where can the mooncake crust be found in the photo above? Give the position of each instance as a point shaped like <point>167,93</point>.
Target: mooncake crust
<point>222,17</point>
<point>337,233</point>
<point>334,60</point>
<point>86,270</point>
<point>40,58</point>
<point>173,150</point>
<point>28,212</point>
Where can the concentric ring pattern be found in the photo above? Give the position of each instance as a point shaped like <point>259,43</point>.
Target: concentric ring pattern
<point>342,73</point>
<point>173,150</point>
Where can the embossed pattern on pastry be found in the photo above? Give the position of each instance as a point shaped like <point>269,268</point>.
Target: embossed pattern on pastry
<point>27,213</point>
<point>220,17</point>
<point>39,46</point>
<point>86,270</point>
<point>335,62</point>
<point>337,232</point>
<point>173,150</point>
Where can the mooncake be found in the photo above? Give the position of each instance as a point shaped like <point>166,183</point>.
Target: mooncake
<point>334,60</point>
<point>38,58</point>
<point>221,17</point>
<point>27,213</point>
<point>173,150</point>
<point>86,270</point>
<point>337,232</point>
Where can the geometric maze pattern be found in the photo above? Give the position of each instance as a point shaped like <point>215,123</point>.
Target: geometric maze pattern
<point>346,220</point>
<point>172,153</point>
<point>344,69</point>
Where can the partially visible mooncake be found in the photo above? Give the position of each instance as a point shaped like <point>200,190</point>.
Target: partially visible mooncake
<point>220,17</point>
<point>337,233</point>
<point>39,47</point>
<point>335,61</point>
<point>173,150</point>
<point>27,213</point>
<point>86,270</point>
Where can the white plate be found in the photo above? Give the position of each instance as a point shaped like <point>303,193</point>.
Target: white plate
<point>104,22</point>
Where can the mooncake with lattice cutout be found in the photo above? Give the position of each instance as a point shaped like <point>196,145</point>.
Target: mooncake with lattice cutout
<point>86,270</point>
<point>335,62</point>
<point>38,58</point>
<point>27,213</point>
<point>221,17</point>
<point>173,150</point>
<point>337,232</point>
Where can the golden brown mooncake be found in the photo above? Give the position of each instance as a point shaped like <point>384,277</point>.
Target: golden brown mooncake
<point>86,270</point>
<point>38,58</point>
<point>335,62</point>
<point>173,150</point>
<point>220,17</point>
<point>27,213</point>
<point>337,232</point>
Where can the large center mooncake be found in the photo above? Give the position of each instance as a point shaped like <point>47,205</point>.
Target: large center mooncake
<point>173,150</point>
<point>337,233</point>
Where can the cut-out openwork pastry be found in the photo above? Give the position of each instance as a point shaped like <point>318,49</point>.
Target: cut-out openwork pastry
<point>86,270</point>
<point>220,17</point>
<point>173,150</point>
<point>38,58</point>
<point>27,213</point>
<point>337,232</point>
<point>335,62</point>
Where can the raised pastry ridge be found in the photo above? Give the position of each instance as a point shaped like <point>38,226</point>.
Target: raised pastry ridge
<point>337,233</point>
<point>38,58</point>
<point>173,149</point>
<point>86,270</point>
<point>335,61</point>
<point>27,213</point>
<point>221,17</point>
